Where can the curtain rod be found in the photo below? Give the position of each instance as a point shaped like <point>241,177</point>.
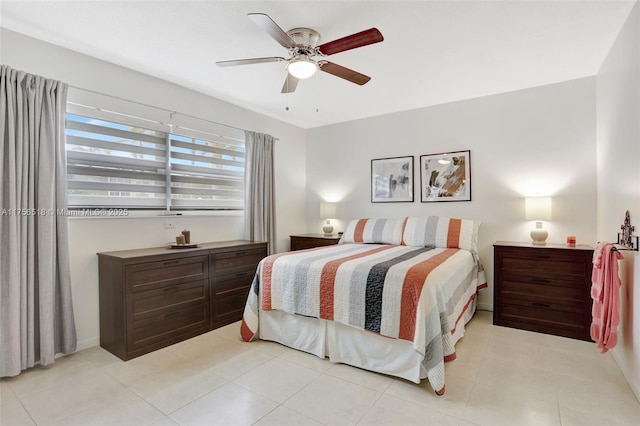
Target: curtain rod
<point>155,107</point>
<point>171,126</point>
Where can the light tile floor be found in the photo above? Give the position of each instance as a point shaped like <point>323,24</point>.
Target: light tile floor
<point>502,376</point>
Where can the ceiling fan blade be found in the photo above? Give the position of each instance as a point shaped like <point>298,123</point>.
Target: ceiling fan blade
<point>290,84</point>
<point>267,24</point>
<point>363,38</point>
<point>346,73</point>
<point>249,61</point>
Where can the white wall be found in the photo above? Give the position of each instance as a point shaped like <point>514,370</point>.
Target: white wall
<point>618,148</point>
<point>89,236</point>
<point>536,140</point>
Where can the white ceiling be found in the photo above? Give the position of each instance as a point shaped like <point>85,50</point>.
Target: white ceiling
<point>434,51</point>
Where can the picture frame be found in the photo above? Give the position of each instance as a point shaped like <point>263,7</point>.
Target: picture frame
<point>445,177</point>
<point>392,180</point>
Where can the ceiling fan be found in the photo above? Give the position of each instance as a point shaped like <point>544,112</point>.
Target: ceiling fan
<point>305,55</point>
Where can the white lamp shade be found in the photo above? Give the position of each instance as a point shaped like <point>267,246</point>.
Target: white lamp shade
<point>537,208</point>
<point>302,68</point>
<point>328,210</point>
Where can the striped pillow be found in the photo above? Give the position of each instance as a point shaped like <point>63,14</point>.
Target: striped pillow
<point>442,232</point>
<point>380,231</point>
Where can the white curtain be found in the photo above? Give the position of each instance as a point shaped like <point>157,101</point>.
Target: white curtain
<point>36,314</point>
<point>259,204</point>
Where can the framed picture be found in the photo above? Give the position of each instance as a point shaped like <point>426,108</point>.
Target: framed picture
<point>445,177</point>
<point>392,180</point>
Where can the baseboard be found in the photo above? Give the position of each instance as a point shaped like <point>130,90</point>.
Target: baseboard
<point>484,307</point>
<point>87,343</point>
<point>628,375</point>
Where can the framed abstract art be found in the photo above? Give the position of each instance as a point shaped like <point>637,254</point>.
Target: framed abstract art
<point>445,177</point>
<point>392,180</point>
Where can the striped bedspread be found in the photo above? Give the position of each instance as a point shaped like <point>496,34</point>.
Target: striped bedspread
<point>417,294</point>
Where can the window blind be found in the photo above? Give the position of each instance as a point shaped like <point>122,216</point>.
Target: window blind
<point>136,164</point>
<point>206,173</point>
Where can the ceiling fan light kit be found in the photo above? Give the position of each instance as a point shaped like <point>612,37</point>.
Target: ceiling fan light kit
<point>302,44</point>
<point>302,67</point>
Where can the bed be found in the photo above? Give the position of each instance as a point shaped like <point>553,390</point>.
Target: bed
<point>392,297</point>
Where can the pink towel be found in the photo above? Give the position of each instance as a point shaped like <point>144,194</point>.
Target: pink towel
<point>605,292</point>
<point>597,254</point>
<point>597,277</point>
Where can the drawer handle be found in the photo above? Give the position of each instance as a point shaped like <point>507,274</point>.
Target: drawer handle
<point>241,253</point>
<point>542,256</point>
<point>540,305</point>
<point>540,281</point>
<point>172,288</point>
<point>170,262</point>
<point>172,315</point>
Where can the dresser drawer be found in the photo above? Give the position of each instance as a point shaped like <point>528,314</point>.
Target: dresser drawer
<point>168,297</point>
<point>151,275</point>
<point>230,261</point>
<point>232,282</point>
<point>229,307</point>
<point>165,326</point>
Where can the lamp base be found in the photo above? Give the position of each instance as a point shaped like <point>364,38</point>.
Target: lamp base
<point>539,235</point>
<point>327,228</point>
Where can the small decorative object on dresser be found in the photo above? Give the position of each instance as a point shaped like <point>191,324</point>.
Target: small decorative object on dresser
<point>305,241</point>
<point>543,288</point>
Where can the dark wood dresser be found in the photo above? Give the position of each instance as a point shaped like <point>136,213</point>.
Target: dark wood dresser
<point>152,298</point>
<point>543,288</point>
<point>306,241</point>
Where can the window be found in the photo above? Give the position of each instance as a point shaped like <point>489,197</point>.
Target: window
<point>134,164</point>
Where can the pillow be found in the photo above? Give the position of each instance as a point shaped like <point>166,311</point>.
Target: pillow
<point>380,231</point>
<point>442,232</point>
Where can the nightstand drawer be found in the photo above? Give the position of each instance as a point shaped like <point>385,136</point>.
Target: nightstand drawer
<point>543,314</point>
<point>307,241</point>
<point>557,267</point>
<point>543,303</point>
<point>528,286</point>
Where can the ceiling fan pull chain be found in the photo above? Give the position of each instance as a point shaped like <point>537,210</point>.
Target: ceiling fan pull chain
<point>287,94</point>
<point>317,92</point>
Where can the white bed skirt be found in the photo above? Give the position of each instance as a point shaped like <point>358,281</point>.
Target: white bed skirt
<point>349,345</point>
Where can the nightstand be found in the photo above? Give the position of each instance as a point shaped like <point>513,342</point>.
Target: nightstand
<point>305,241</point>
<point>543,288</point>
